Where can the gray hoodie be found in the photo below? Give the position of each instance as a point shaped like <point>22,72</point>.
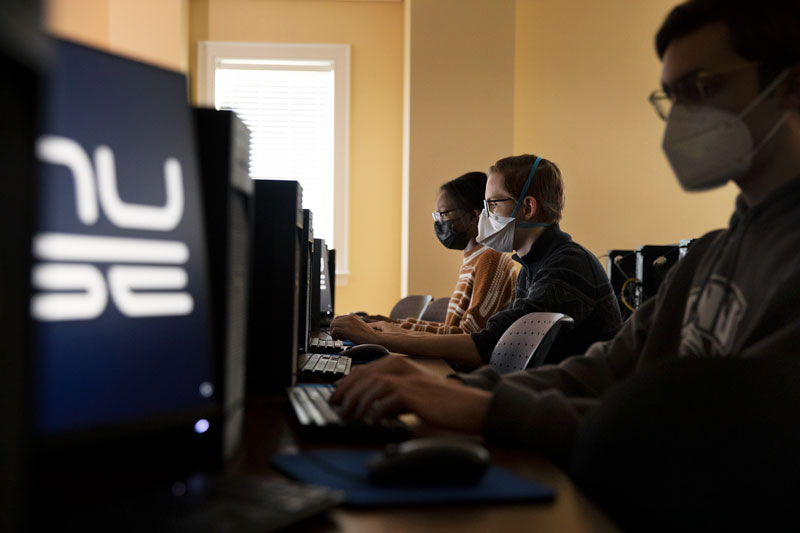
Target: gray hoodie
<point>747,278</point>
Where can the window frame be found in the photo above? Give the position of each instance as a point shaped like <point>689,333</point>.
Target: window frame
<point>209,53</point>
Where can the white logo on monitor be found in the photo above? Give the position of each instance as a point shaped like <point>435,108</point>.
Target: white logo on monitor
<point>73,288</point>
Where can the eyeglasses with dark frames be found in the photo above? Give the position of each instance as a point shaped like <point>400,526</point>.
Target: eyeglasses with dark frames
<point>439,216</point>
<point>692,88</point>
<point>490,205</point>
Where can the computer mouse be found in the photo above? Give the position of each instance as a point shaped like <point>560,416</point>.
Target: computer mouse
<point>363,353</point>
<point>442,461</point>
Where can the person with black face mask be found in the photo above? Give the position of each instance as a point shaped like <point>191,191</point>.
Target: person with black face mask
<point>486,279</point>
<point>522,206</point>
<point>686,418</point>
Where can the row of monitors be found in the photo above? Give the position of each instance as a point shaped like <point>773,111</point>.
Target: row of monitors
<point>160,277</point>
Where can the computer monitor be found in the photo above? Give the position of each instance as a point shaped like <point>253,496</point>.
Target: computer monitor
<point>317,280</point>
<point>275,295</point>
<point>223,143</point>
<point>325,299</point>
<point>306,260</point>
<point>124,376</point>
<point>332,279</point>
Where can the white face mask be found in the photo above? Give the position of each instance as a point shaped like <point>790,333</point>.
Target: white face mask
<point>496,231</point>
<point>707,147</point>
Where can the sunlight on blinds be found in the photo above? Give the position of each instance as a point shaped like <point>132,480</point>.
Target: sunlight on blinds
<point>289,108</point>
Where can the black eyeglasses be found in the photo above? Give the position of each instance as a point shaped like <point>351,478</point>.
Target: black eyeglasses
<point>439,216</point>
<point>692,88</point>
<point>490,205</point>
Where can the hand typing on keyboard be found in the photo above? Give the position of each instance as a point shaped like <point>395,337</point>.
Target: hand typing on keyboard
<point>396,385</point>
<point>354,328</point>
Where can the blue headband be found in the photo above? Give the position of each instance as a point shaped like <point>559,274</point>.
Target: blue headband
<point>522,196</point>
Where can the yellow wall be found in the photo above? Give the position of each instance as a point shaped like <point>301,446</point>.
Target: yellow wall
<point>584,70</point>
<point>154,31</point>
<point>566,79</point>
<point>459,117</point>
<point>375,32</point>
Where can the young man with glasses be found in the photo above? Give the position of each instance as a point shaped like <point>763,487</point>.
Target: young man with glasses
<point>486,279</point>
<point>731,82</point>
<point>523,204</point>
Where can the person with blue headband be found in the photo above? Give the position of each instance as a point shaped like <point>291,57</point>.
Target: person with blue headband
<point>687,419</point>
<point>523,201</point>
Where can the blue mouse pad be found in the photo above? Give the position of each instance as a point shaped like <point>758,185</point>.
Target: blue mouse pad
<point>346,471</point>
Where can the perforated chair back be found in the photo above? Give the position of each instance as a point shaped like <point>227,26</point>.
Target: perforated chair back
<point>411,306</point>
<point>526,343</point>
<point>437,310</point>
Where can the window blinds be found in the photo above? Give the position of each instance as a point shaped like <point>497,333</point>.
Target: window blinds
<point>289,108</point>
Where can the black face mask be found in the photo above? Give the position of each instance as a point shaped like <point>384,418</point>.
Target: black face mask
<point>449,237</point>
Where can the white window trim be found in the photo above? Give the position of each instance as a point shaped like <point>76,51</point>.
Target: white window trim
<point>210,52</point>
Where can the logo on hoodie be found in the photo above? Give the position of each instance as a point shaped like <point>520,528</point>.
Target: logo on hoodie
<point>713,312</point>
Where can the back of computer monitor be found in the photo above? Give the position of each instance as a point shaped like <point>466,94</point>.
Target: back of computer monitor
<point>325,283</point>
<point>332,279</point>
<point>306,262</point>
<point>275,283</point>
<point>317,280</point>
<point>223,143</point>
<point>124,379</point>
<point>22,61</point>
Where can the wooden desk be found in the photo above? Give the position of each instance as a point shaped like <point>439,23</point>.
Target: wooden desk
<point>267,431</point>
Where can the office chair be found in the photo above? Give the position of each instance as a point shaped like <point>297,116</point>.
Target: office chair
<point>411,306</point>
<point>437,310</point>
<point>526,343</point>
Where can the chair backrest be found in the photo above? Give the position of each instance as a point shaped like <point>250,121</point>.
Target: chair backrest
<point>411,306</point>
<point>437,310</point>
<point>526,343</point>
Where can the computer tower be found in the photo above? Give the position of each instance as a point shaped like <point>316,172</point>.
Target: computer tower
<point>306,253</point>
<point>273,321</point>
<point>652,264</point>
<point>119,306</point>
<point>621,266</point>
<point>223,143</point>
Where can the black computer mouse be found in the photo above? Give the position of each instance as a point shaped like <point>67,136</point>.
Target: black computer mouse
<point>442,461</point>
<point>363,353</point>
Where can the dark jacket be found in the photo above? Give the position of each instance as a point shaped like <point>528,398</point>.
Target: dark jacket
<point>558,275</point>
<point>735,294</point>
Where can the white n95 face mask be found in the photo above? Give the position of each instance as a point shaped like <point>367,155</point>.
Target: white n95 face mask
<point>707,147</point>
<point>496,232</point>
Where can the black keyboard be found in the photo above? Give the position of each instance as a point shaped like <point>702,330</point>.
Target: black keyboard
<point>320,345</point>
<point>324,367</point>
<point>315,414</point>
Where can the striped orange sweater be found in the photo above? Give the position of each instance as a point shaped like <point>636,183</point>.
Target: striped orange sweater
<point>485,286</point>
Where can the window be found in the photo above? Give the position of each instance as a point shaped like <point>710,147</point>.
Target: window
<point>295,99</point>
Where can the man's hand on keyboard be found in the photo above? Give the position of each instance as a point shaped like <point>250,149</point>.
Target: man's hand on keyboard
<point>354,328</point>
<point>395,385</point>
